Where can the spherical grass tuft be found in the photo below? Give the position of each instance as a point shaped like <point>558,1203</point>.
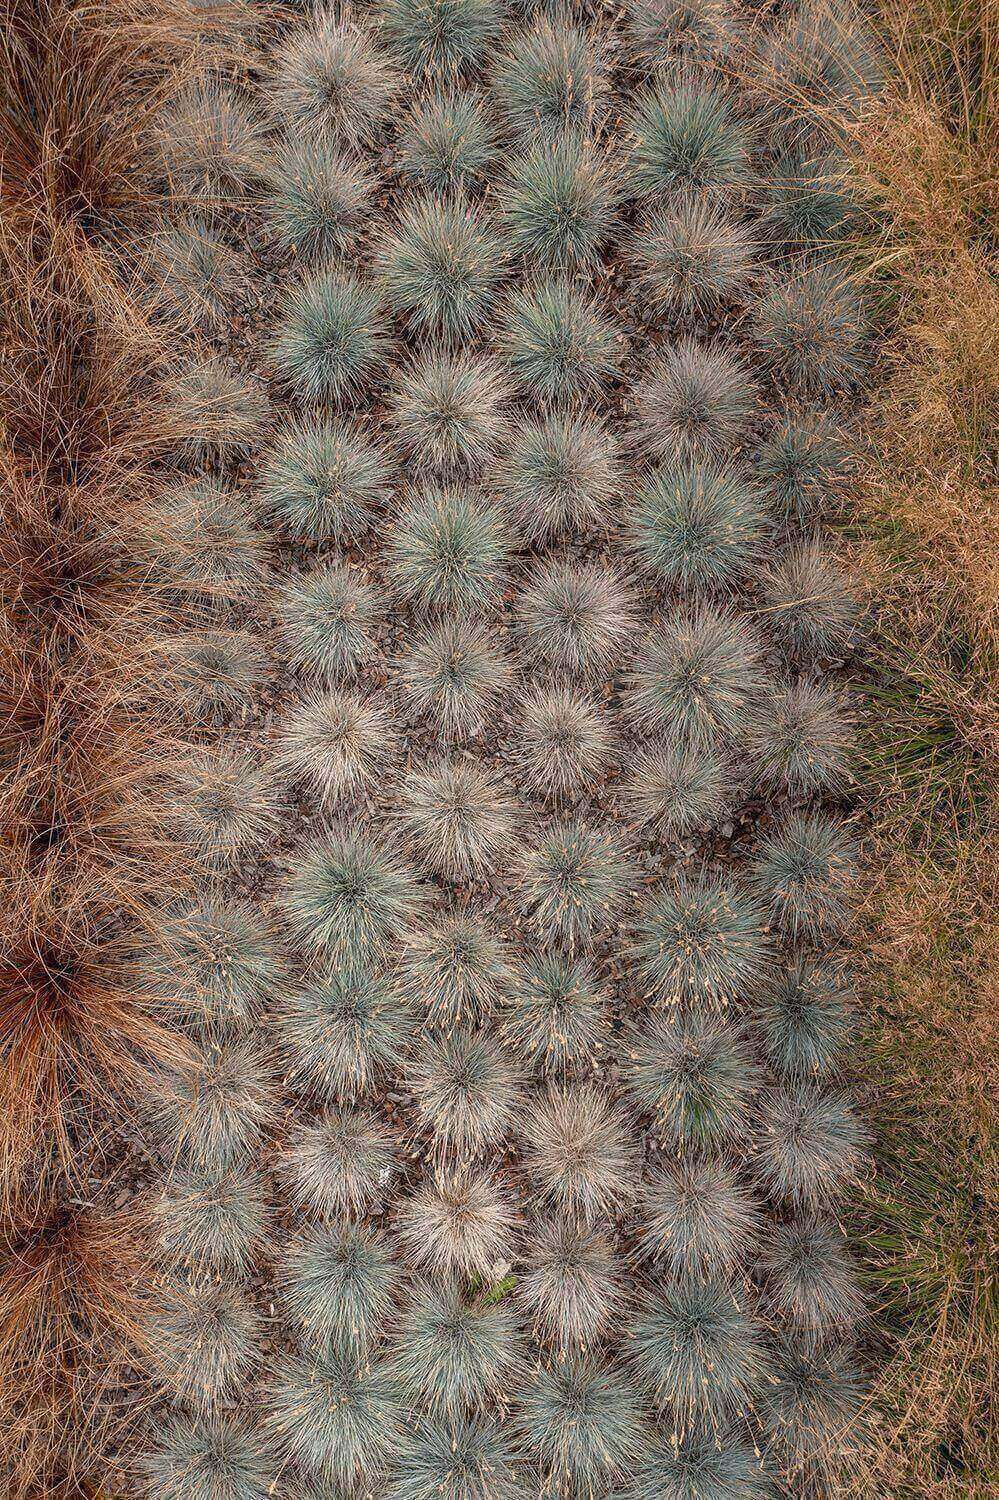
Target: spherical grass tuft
<point>575,618</point>
<point>558,1018</point>
<point>324,479</point>
<point>448,412</point>
<point>459,823</point>
<point>337,1286</point>
<point>329,82</point>
<point>449,549</point>
<point>334,746</point>
<point>804,1017</point>
<point>675,791</point>
<point>435,39</point>
<point>466,1091</point>
<point>816,70</point>
<point>344,1033</point>
<point>811,1146</point>
<point>335,1418</point>
<point>565,743</point>
<point>562,473</point>
<point>326,621</point>
<point>807,605</point>
<point>694,1074</point>
<point>206,1342</point>
<point>223,808</point>
<point>686,137</point>
<point>465,1458</point>
<point>558,203</point>
<point>216,1114</point>
<point>220,411</point>
<point>212,1223</point>
<point>578,1152</point>
<point>458,1222</point>
<point>702,1462</point>
<point>215,1457</point>
<point>215,674</point>
<point>811,1403</point>
<point>559,345</point>
<point>811,329</point>
<point>553,80</point>
<point>458,969</point>
<point>803,742</point>
<point>198,274</point>
<point>696,525</point>
<point>331,339</point>
<point>810,1281</point>
<point>438,267</point>
<point>339,1164</point>
<point>801,463</point>
<point>701,940</point>
<point>212,549</point>
<point>699,1218</point>
<point>803,872</point>
<point>810,204</point>
<point>580,1422</point>
<point>453,675</point>
<point>661,31</point>
<point>351,896</point>
<point>691,256</point>
<point>218,961</point>
<point>211,144</point>
<point>448,142</point>
<point>576,880</point>
<point>454,1353</point>
<point>697,679</point>
<point>695,401</point>
<point>571,1287</point>
<point>318,199</point>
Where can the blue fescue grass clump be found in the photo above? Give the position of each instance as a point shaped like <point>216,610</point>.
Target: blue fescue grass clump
<point>449,549</point>
<point>351,896</point>
<point>575,618</point>
<point>809,203</point>
<point>575,882</point>
<point>696,525</point>
<point>217,1113</point>
<point>326,622</point>
<point>558,343</point>
<point>558,1018</point>
<point>436,39</point>
<point>692,255</point>
<point>211,144</point>
<point>438,267</point>
<point>215,674</point>
<point>223,808</point>
<point>811,1284</point>
<point>807,605</point>
<point>457,970</point>
<point>345,1032</point>
<point>811,1147</point>
<point>803,742</point>
<point>696,400</point>
<point>811,330</point>
<point>465,1458</point>
<point>562,473</point>
<point>565,744</point>
<point>661,31</point>
<point>335,1418</point>
<point>340,1164</point>
<point>213,550</point>
<point>448,142</point>
<point>324,479</point>
<point>701,940</point>
<point>675,791</point>
<point>558,204</point>
<point>337,1286</point>
<point>812,1402</point>
<point>212,1223</point>
<point>216,1457</point>
<point>221,411</point>
<point>206,1340</point>
<point>699,1218</point>
<point>553,80</point>
<point>800,464</point>
<point>457,1223</point>
<point>686,137</point>
<point>702,1463</point>
<point>334,745</point>
<point>198,274</point>
<point>219,962</point>
<point>449,412</point>
<point>454,1352</point>
<point>697,678</point>
<point>466,1090</point>
<point>693,1073</point>
<point>459,822</point>
<point>699,1350</point>
<point>331,338</point>
<point>453,675</point>
<point>578,1152</point>
<point>581,1423</point>
<point>804,1017</point>
<point>572,1285</point>
<point>329,82</point>
<point>318,199</point>
<point>815,71</point>
<point>803,871</point>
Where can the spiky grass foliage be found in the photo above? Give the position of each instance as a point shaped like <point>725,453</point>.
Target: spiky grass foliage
<point>215,674</point>
<point>805,1017</point>
<point>810,202</point>
<point>699,1218</point>
<point>212,549</point>
<point>216,1115</point>
<point>218,961</point>
<point>211,144</point>
<point>454,1352</point>
<point>803,742</point>
<point>560,346</point>
<point>811,1404</point>
<point>330,82</point>
<point>697,678</point>
<point>557,1019</point>
<point>216,1457</point>
<point>324,479</point>
<point>467,1458</point>
<point>554,79</point>
<point>698,1351</point>
<point>205,1340</point>
<point>660,31</point>
<point>702,1463</point>
<point>575,618</point>
<point>344,1033</point>
<point>351,896</point>
<point>438,268</point>
<point>457,1223</point>
<point>458,969</point>
<point>326,622</point>
<point>811,1146</point>
<point>811,330</point>
<point>811,1284</point>
<point>691,256</point>
<point>453,676</point>
<point>578,1152</point>
<point>695,400</point>
<point>581,1423</point>
<point>448,142</point>
<point>571,1287</point>
<point>807,604</point>
<point>558,204</point>
<point>318,199</point>
<point>340,1164</point>
<point>565,743</point>
<point>561,473</point>
<point>458,820</point>
<point>223,808</point>
<point>449,549</point>
<point>701,940</point>
<point>816,70</point>
<point>201,276</point>
<point>676,791</point>
<point>438,39</point>
<point>801,463</point>
<point>221,412</point>
<point>212,1223</point>
<point>693,1073</point>
<point>448,412</point>
<point>335,1418</point>
<point>696,524</point>
<point>575,882</point>
<point>686,137</point>
<point>331,337</point>
<point>466,1092</point>
<point>335,745</point>
<point>337,1286</point>
<point>804,869</point>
